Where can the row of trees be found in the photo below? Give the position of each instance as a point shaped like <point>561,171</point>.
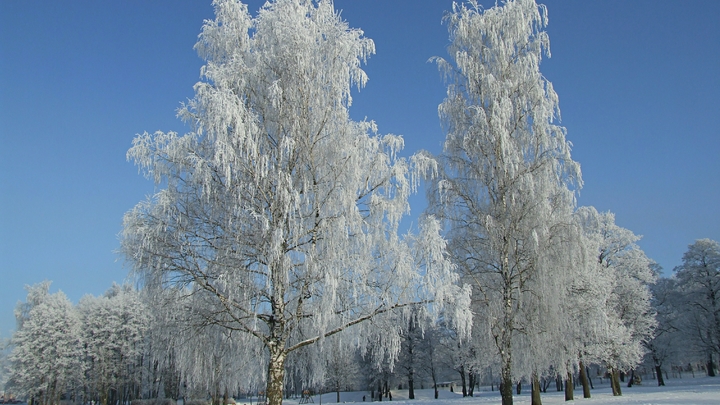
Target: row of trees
<point>272,254</point>
<point>554,287</point>
<point>687,307</point>
<point>127,345</point>
<point>93,350</point>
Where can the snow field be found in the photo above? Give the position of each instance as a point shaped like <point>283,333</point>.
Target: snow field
<point>688,391</point>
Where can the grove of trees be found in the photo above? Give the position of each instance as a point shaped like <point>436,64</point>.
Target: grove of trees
<point>271,260</point>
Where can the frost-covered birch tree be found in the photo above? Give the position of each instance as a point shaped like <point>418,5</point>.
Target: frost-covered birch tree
<point>282,210</point>
<point>507,173</point>
<point>584,305</point>
<point>163,339</point>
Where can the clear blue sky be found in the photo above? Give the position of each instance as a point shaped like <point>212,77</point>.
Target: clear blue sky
<point>638,81</point>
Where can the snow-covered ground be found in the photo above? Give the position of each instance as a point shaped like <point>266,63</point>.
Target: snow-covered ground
<point>695,391</point>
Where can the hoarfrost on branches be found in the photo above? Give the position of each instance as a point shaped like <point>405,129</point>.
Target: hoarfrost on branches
<point>278,210</point>
<point>625,273</point>
<point>507,177</point>
<point>698,281</point>
<point>114,335</point>
<point>46,357</point>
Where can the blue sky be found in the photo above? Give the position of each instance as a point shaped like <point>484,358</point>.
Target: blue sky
<point>638,84</point>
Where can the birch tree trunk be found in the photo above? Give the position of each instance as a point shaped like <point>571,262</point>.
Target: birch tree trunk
<point>276,375</point>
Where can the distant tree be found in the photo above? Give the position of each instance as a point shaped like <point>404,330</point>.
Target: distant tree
<point>215,362</point>
<point>45,361</point>
<point>629,320</point>
<point>378,369</point>
<point>465,357</point>
<point>579,323</point>
<point>342,366</point>
<point>5,350</point>
<point>163,339</point>
<point>208,358</point>
<point>433,358</point>
<point>278,207</point>
<point>410,353</point>
<point>698,281</point>
<point>114,328</point>
<point>506,173</point>
<point>664,346</point>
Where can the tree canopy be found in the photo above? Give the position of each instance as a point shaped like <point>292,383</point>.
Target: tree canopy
<point>278,211</point>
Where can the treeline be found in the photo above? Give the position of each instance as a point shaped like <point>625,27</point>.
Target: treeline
<point>98,350</point>
<point>687,309</point>
<point>127,345</point>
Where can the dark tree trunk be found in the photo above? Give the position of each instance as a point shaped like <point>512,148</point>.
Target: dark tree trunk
<point>584,380</point>
<point>558,383</point>
<point>631,380</point>
<point>519,388</point>
<point>434,381</point>
<point>545,383</point>
<point>569,388</point>
<point>535,391</point>
<point>462,379</point>
<point>411,386</point>
<point>615,382</point>
<point>506,387</point>
<point>471,383</point>
<point>660,379</point>
<point>710,366</point>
